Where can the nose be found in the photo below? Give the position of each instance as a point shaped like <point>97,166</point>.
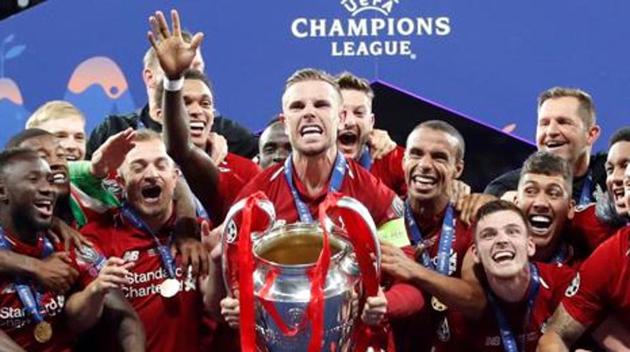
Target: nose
<point>626,175</point>
<point>425,163</point>
<point>280,155</point>
<point>553,129</point>
<point>347,118</point>
<point>150,173</point>
<point>194,109</point>
<point>541,203</point>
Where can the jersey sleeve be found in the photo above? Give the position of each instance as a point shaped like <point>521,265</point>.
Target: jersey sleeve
<point>586,296</point>
<point>382,202</point>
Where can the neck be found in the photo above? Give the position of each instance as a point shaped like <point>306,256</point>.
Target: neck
<point>21,229</point>
<point>511,289</point>
<point>580,167</point>
<point>544,254</point>
<point>314,171</point>
<point>63,210</point>
<point>153,108</point>
<point>157,221</point>
<point>426,212</point>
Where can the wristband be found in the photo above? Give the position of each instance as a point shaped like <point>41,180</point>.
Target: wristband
<point>173,85</point>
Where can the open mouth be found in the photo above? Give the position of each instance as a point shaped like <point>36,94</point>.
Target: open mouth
<point>151,194</point>
<point>540,224</point>
<point>197,127</point>
<point>59,177</point>
<point>551,145</point>
<point>71,157</point>
<point>311,130</point>
<point>503,256</point>
<point>44,207</point>
<point>423,181</point>
<point>348,137</point>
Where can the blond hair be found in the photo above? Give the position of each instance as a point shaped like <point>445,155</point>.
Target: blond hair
<point>53,110</point>
<point>587,107</point>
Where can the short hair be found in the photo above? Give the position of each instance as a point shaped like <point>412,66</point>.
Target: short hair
<point>24,135</point>
<point>587,106</point>
<point>146,135</point>
<point>496,206</point>
<point>620,135</point>
<point>11,155</point>
<point>347,80</point>
<point>53,110</point>
<point>150,60</point>
<point>189,74</point>
<point>447,128</point>
<point>545,163</point>
<point>312,74</point>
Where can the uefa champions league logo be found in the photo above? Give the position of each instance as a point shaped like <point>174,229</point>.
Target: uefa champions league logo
<point>357,6</point>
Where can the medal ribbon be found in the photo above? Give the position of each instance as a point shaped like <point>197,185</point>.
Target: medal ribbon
<point>168,262</point>
<point>561,254</point>
<point>30,301</point>
<point>365,159</point>
<point>446,239</point>
<point>339,171</point>
<point>507,335</point>
<point>585,195</point>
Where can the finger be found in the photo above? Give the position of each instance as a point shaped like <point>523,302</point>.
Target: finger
<point>186,256</point>
<point>205,228</point>
<point>64,256</point>
<point>177,31</point>
<point>155,30</point>
<point>113,280</point>
<point>114,261</point>
<point>194,260</point>
<point>196,40</point>
<point>204,263</point>
<point>162,25</point>
<point>73,273</point>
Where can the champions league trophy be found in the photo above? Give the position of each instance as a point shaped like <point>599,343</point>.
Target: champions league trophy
<point>301,286</point>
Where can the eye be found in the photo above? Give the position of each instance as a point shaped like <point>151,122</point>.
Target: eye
<point>609,169</point>
<point>530,191</point>
<point>297,105</point>
<point>206,104</point>
<point>322,104</point>
<point>555,192</point>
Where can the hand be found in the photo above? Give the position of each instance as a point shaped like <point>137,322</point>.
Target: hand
<point>111,154</point>
<point>218,147</point>
<point>55,272</point>
<point>470,204</point>
<point>459,191</point>
<point>173,53</point>
<point>112,276</point>
<point>68,234</point>
<point>194,253</point>
<point>211,239</point>
<point>375,309</point>
<point>230,311</point>
<point>396,263</point>
<point>380,143</point>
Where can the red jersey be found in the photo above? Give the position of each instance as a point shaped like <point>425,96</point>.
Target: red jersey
<point>587,230</point>
<point>171,324</point>
<point>603,283</point>
<point>244,168</point>
<point>389,170</point>
<point>17,323</point>
<point>429,327</point>
<point>357,183</point>
<point>484,334</point>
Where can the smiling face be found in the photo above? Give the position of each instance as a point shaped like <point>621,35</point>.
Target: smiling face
<point>561,129</point>
<point>199,104</point>
<point>70,132</point>
<point>616,165</point>
<point>54,154</point>
<point>148,176</point>
<point>430,164</point>
<point>547,204</point>
<point>274,146</point>
<point>502,244</point>
<point>29,193</point>
<point>357,122</point>
<point>311,112</point>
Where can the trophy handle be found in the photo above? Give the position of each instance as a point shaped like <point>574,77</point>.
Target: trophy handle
<point>361,211</point>
<point>229,236</point>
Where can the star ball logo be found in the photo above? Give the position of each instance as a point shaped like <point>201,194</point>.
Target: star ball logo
<point>379,35</point>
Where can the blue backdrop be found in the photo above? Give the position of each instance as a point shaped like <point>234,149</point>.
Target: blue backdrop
<point>486,59</point>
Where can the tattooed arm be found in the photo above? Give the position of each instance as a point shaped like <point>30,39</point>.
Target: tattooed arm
<point>561,333</point>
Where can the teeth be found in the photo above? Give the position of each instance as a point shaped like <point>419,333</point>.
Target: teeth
<point>423,180</point>
<point>311,129</point>
<point>554,144</point>
<point>540,218</point>
<point>71,158</point>
<point>59,178</point>
<point>500,256</point>
<point>197,125</point>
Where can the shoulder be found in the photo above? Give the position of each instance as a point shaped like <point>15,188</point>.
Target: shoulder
<point>100,228</point>
<point>248,166</point>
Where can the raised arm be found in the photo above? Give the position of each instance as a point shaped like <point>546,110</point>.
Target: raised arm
<point>561,332</point>
<point>175,56</point>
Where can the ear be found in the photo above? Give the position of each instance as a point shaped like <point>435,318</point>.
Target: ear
<point>371,123</point>
<point>531,247</point>
<point>4,197</point>
<point>571,212</point>
<point>593,134</point>
<point>473,249</point>
<point>158,112</point>
<point>120,179</point>
<point>148,77</point>
<point>459,168</point>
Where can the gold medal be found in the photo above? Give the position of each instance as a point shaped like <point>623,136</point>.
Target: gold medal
<point>169,288</point>
<point>42,332</point>
<point>437,305</point>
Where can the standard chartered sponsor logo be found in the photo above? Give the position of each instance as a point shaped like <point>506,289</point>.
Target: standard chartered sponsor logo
<point>376,36</point>
<point>16,317</point>
<point>136,287</point>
